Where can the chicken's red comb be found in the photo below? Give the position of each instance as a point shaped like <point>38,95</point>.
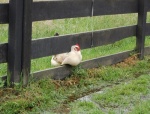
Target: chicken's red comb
<point>77,45</point>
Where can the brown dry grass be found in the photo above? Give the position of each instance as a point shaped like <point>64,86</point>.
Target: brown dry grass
<point>69,82</point>
<point>130,61</point>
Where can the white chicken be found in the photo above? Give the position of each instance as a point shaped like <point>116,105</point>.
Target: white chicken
<point>74,57</point>
<point>58,59</point>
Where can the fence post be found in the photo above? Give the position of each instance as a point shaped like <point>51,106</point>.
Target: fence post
<point>140,35</point>
<point>26,45</point>
<point>15,40</point>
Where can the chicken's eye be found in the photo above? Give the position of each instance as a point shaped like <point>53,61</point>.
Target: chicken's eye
<point>55,58</point>
<point>76,49</point>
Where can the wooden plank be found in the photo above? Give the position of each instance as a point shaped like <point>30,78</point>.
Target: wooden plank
<point>64,71</point>
<point>54,73</point>
<point>4,11</point>
<point>106,60</point>
<point>15,40</point>
<point>148,5</point>
<point>26,44</point>
<point>110,7</point>
<point>109,36</point>
<point>3,53</point>
<point>141,27</point>
<point>59,44</point>
<point>147,31</point>
<point>48,10</point>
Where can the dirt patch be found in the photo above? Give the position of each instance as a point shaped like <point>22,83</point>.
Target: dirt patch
<point>69,82</point>
<point>7,93</point>
<point>130,61</point>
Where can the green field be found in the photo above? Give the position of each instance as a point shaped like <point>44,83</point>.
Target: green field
<point>125,86</point>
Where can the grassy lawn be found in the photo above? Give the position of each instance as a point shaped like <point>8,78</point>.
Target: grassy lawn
<point>125,88</point>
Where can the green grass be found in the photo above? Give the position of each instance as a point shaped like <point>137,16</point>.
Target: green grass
<point>131,96</point>
<point>142,108</point>
<point>4,1</point>
<point>85,108</point>
<point>125,87</point>
<point>124,94</point>
<point>3,33</point>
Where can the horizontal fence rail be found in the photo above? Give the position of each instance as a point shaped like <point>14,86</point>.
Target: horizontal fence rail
<point>46,10</point>
<point>4,15</point>
<point>148,5</point>
<point>110,7</point>
<point>61,9</point>
<point>61,72</point>
<point>82,8</point>
<point>55,45</point>
<point>110,36</point>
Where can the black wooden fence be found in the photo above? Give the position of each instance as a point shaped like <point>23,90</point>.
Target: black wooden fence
<point>20,49</point>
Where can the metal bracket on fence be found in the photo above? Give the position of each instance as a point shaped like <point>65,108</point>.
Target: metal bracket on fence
<point>92,11</point>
